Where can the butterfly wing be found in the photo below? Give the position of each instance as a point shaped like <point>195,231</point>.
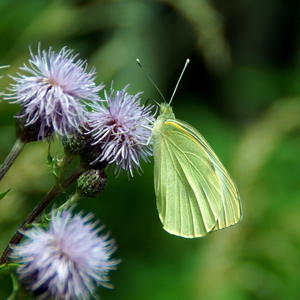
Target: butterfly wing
<point>195,194</point>
<point>231,210</point>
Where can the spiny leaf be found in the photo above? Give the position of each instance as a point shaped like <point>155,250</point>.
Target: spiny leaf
<point>3,194</point>
<point>52,163</point>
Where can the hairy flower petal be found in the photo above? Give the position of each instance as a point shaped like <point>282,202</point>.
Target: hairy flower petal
<point>66,261</point>
<point>122,130</point>
<point>51,94</point>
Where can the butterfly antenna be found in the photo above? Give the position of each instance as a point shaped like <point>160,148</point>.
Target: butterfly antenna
<point>185,65</point>
<point>139,63</point>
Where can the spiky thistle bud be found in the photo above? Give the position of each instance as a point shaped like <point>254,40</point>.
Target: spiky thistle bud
<point>91,183</point>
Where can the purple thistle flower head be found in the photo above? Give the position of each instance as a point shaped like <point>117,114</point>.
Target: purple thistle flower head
<point>50,96</point>
<point>121,130</point>
<point>67,261</point>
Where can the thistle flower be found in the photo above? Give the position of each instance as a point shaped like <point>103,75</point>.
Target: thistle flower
<point>122,130</point>
<point>67,261</point>
<point>50,96</point>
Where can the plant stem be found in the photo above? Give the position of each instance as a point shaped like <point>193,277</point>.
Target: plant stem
<point>73,199</point>
<point>14,153</point>
<point>54,191</point>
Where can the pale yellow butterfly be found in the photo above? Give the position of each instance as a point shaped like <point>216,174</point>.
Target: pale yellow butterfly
<point>194,192</point>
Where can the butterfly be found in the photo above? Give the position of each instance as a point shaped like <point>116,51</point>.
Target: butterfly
<point>195,194</point>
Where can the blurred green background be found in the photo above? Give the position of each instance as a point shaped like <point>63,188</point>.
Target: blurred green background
<point>241,91</point>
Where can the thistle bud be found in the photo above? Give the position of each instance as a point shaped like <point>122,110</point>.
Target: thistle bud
<point>76,143</point>
<point>29,132</point>
<point>91,183</point>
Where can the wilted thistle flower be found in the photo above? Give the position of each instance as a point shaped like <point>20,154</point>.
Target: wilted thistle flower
<point>50,96</point>
<point>67,261</point>
<point>122,130</point>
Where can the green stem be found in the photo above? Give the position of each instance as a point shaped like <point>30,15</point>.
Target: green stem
<point>14,153</point>
<point>73,199</point>
<point>54,191</point>
<point>66,160</point>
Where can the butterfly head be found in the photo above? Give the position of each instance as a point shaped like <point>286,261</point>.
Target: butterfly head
<point>166,111</point>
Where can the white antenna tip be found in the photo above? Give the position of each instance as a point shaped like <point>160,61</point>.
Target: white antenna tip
<point>185,65</point>
<point>139,63</point>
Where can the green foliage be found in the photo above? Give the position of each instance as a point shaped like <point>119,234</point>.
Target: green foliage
<point>52,163</point>
<point>8,268</point>
<point>3,194</point>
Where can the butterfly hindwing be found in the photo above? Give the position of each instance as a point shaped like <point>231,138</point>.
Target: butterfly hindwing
<point>230,213</point>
